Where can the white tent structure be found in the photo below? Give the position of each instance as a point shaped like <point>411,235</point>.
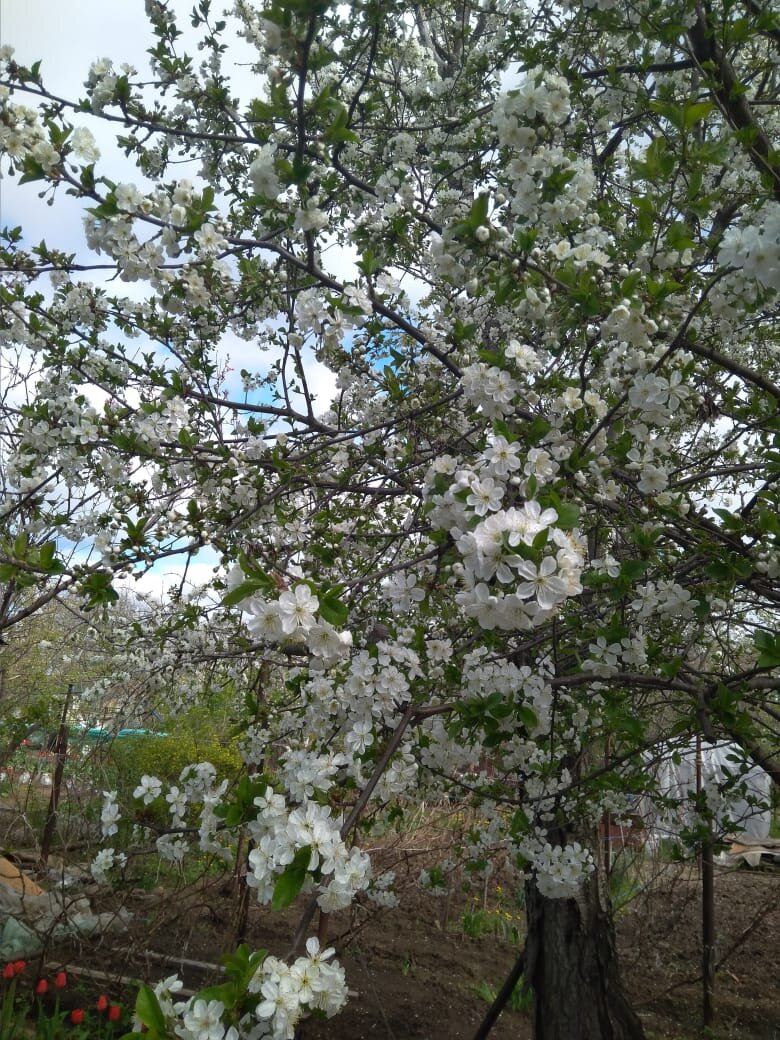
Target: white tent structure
<point>737,791</point>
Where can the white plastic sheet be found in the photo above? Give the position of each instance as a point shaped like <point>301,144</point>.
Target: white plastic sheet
<point>737,791</point>
<point>30,922</point>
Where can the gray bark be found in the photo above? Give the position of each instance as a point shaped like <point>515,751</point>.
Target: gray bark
<point>572,968</point>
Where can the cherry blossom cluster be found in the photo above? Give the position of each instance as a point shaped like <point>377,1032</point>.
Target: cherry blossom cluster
<point>293,617</point>
<point>753,250</point>
<point>279,832</point>
<point>559,869</point>
<point>282,995</point>
<point>198,788</point>
<point>103,862</point>
<point>508,583</point>
<point>522,118</point>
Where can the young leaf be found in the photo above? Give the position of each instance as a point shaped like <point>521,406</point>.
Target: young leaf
<point>148,1009</point>
<point>289,883</point>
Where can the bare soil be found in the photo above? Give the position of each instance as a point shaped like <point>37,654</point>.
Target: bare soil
<point>414,972</point>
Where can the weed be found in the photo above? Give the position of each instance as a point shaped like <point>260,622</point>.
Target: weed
<point>519,1000</point>
<point>503,922</point>
<point>625,881</point>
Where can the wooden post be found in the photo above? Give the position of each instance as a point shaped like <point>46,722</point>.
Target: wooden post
<point>60,751</point>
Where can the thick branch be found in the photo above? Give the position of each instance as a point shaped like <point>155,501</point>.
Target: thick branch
<point>731,97</point>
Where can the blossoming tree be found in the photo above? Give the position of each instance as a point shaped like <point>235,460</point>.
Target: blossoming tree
<point>536,251</point>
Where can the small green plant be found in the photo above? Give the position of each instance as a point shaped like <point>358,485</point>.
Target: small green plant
<point>12,1011</point>
<point>503,922</point>
<point>519,999</point>
<point>625,881</point>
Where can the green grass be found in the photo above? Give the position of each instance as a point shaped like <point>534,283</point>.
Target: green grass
<point>625,881</point>
<point>504,918</point>
<point>477,922</point>
<point>519,1000</point>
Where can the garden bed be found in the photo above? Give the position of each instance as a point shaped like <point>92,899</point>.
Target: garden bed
<point>426,969</point>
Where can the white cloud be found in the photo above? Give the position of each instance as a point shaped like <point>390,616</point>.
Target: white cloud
<point>171,576</point>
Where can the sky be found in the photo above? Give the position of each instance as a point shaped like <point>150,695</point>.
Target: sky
<point>67,36</point>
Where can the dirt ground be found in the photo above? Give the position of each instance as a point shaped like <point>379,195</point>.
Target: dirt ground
<point>425,971</point>
<point>420,972</point>
<point>659,936</point>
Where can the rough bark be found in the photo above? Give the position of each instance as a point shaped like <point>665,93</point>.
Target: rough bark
<point>572,968</point>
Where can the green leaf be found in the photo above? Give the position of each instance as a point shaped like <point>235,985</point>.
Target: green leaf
<point>731,521</point>
<point>568,516</point>
<point>696,113</point>
<point>538,429</point>
<point>100,589</point>
<point>527,717</point>
<point>33,171</point>
<point>148,1009</point>
<point>630,570</point>
<point>679,236</point>
<point>540,540</point>
<point>659,162</point>
<point>629,284</point>
<point>333,610</point>
<point>479,211</point>
<point>553,185</point>
<point>339,131</point>
<point>289,884</point>
<point>10,573</point>
<point>768,645</point>
<point>370,263</point>
<point>242,592</point>
<point>671,668</point>
<point>226,992</point>
<point>730,568</point>
<point>46,554</point>
<point>683,117</point>
<point>505,288</point>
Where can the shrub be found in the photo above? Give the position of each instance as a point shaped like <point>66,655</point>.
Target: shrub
<point>166,756</point>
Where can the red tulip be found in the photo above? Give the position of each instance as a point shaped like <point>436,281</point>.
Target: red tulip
<point>8,971</point>
<point>42,987</point>
<point>77,1016</point>
<point>19,967</point>
<point>60,980</point>
<point>114,1013</point>
<point>102,1002</point>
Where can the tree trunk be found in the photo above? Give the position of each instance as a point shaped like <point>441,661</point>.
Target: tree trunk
<point>572,968</point>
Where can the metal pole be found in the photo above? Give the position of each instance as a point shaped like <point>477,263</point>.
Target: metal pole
<point>707,872</point>
<point>708,930</point>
